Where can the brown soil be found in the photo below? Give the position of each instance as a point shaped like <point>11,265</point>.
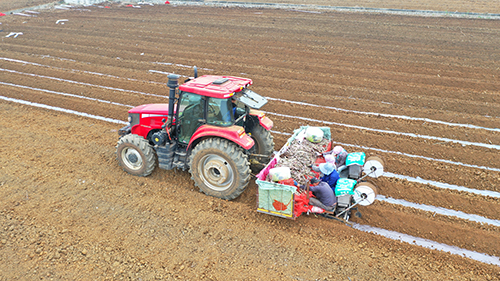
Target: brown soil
<point>68,212</point>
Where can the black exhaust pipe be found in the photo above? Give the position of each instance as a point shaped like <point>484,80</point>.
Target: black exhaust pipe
<point>173,83</point>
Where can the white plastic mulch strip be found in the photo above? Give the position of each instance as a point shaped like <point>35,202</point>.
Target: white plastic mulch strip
<point>404,117</point>
<point>439,210</point>
<point>80,83</point>
<point>357,9</point>
<point>63,110</point>
<point>65,94</point>
<point>489,193</point>
<point>181,65</point>
<point>463,143</point>
<point>429,244</point>
<point>163,72</point>
<point>300,8</point>
<point>61,7</point>
<point>422,157</point>
<point>76,70</point>
<point>14,34</point>
<point>23,14</point>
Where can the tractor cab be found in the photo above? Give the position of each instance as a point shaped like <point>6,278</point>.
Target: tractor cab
<point>219,101</point>
<point>195,111</point>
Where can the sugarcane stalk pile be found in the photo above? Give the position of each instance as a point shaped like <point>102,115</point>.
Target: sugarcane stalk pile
<point>300,156</point>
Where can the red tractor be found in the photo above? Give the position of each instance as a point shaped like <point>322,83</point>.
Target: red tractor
<point>210,126</point>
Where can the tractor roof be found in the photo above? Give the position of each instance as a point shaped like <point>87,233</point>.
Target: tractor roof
<point>215,86</point>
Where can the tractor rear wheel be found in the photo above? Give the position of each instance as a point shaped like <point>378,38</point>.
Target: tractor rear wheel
<point>264,143</point>
<point>135,155</point>
<point>219,168</point>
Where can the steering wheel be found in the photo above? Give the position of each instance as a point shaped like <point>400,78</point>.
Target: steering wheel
<point>211,109</point>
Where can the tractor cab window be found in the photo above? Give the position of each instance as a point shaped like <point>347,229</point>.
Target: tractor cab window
<point>188,100</point>
<point>239,108</point>
<point>191,111</point>
<point>220,112</point>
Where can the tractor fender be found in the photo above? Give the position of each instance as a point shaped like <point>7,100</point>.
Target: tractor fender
<point>232,133</point>
<point>140,130</point>
<point>264,121</point>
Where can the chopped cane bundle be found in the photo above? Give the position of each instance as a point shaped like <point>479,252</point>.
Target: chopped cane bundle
<point>300,156</point>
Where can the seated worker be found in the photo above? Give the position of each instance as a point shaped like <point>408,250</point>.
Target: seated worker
<point>340,155</point>
<point>325,198</point>
<point>329,174</point>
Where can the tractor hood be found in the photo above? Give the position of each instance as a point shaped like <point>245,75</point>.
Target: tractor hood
<point>156,108</point>
<point>251,99</point>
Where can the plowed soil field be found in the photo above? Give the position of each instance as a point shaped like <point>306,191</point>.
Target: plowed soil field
<point>423,92</point>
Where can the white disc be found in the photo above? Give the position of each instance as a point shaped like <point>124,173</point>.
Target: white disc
<point>373,168</point>
<point>365,193</point>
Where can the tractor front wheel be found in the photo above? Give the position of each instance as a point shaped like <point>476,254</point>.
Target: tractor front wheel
<point>135,155</point>
<point>219,168</point>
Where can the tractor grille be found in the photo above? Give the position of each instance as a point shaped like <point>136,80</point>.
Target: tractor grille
<point>133,118</point>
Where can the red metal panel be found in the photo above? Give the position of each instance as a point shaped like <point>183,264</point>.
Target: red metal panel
<point>156,108</point>
<point>204,86</point>
<point>232,133</point>
<point>264,121</point>
<point>140,130</point>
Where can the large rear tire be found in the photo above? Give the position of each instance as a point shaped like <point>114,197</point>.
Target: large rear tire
<point>264,143</point>
<point>219,168</point>
<point>135,155</point>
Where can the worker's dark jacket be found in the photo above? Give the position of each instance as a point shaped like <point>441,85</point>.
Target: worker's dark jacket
<point>324,193</point>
